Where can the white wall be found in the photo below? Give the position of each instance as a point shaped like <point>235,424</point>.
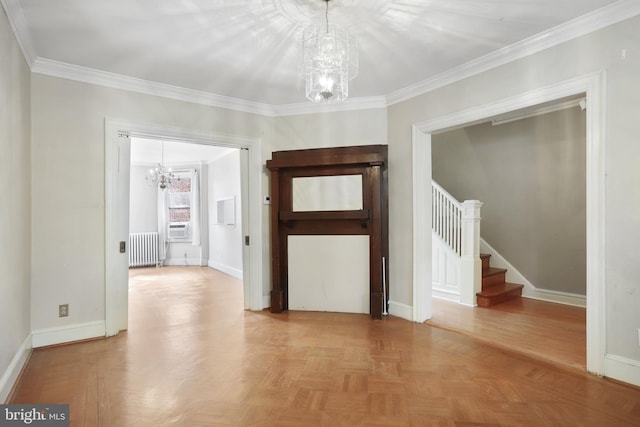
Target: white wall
<point>225,241</point>
<point>15,209</point>
<point>364,127</point>
<point>143,202</point>
<point>588,54</point>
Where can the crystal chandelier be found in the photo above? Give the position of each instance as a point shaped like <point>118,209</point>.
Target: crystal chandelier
<point>330,57</point>
<point>160,175</point>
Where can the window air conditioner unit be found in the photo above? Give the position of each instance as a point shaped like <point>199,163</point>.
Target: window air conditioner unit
<point>178,231</point>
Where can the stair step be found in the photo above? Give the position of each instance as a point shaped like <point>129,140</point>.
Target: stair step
<point>493,276</point>
<point>499,293</point>
<point>486,259</point>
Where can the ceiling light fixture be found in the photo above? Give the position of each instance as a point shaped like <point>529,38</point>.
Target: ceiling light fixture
<point>160,175</point>
<point>330,57</point>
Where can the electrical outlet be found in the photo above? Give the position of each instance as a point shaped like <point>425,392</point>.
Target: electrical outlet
<point>63,310</point>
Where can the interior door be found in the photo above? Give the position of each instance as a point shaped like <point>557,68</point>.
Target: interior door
<point>117,234</point>
<point>244,209</point>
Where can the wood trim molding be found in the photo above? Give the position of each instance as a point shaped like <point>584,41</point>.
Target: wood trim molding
<point>369,161</point>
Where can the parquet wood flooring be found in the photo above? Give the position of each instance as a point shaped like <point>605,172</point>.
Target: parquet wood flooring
<point>552,332</point>
<point>193,357</point>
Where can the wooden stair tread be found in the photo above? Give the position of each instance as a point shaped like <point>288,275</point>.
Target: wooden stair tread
<point>500,289</point>
<point>496,294</point>
<point>495,289</point>
<point>493,270</point>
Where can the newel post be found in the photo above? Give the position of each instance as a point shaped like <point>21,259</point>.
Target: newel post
<point>470,265</point>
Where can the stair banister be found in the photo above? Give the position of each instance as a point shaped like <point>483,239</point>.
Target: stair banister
<point>458,226</point>
<point>446,217</point>
<point>471,265</point>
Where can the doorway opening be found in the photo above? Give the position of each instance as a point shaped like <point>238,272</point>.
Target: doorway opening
<point>591,86</point>
<point>118,136</point>
<point>175,188</point>
<point>208,174</point>
<point>527,168</point>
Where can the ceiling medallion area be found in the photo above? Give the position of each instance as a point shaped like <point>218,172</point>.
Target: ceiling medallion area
<point>321,28</point>
<point>306,12</point>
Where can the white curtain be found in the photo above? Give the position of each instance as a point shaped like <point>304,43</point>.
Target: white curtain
<point>163,225</point>
<point>195,208</point>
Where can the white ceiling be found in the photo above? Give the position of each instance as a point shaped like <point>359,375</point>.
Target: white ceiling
<point>250,49</point>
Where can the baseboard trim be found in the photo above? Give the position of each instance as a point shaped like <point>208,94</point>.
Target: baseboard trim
<point>187,262</point>
<point>399,309</point>
<point>231,271</point>
<point>557,297</point>
<point>445,294</point>
<point>11,374</point>
<point>69,333</point>
<point>622,369</point>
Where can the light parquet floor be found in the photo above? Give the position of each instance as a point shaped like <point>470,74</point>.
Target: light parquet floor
<point>193,357</point>
<point>552,332</point>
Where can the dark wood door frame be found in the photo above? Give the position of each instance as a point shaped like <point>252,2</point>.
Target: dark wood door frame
<point>369,161</point>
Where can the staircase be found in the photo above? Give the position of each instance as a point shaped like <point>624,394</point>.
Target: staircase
<point>494,287</point>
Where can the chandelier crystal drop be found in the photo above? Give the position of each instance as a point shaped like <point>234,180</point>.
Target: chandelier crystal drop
<point>330,60</point>
<point>160,175</point>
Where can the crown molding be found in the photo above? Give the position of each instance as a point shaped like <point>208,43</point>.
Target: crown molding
<point>64,70</point>
<point>19,25</point>
<point>515,116</point>
<point>351,104</point>
<point>596,20</point>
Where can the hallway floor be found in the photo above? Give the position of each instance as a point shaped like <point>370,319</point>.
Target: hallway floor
<point>193,357</point>
<point>550,332</point>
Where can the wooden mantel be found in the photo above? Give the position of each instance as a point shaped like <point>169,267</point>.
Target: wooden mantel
<point>369,161</point>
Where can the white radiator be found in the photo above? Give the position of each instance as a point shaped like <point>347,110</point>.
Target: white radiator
<point>143,249</point>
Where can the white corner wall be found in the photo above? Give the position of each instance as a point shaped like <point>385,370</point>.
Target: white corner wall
<point>15,209</point>
<point>143,201</point>
<point>225,241</point>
